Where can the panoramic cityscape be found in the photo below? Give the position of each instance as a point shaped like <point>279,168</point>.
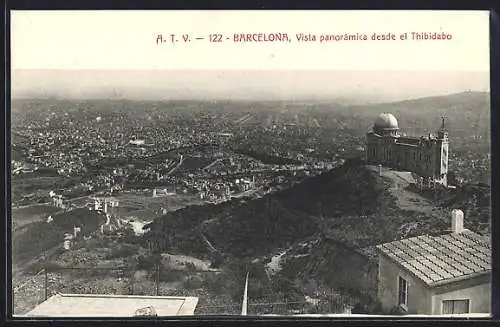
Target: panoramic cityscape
<point>129,200</point>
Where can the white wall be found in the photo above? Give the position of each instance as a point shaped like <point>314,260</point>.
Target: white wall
<point>419,297</point>
<point>425,300</point>
<point>478,295</point>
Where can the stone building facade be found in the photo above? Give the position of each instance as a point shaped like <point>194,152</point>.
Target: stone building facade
<point>426,156</point>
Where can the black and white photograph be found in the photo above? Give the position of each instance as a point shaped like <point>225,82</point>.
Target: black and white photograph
<point>250,164</point>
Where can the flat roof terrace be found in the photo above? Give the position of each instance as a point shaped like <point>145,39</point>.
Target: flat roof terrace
<point>94,305</point>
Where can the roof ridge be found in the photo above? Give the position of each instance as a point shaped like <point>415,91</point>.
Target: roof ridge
<point>478,239</point>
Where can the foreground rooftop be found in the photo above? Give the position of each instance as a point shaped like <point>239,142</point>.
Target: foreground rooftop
<point>438,260</point>
<point>93,305</point>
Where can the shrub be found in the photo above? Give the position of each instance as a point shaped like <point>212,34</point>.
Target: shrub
<point>36,267</point>
<point>372,307</point>
<point>147,262</point>
<point>222,283</point>
<point>170,275</point>
<point>217,262</point>
<point>193,283</point>
<point>120,252</point>
<point>190,267</point>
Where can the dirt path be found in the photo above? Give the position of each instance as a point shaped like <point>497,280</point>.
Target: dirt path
<point>180,260</point>
<point>176,167</point>
<point>274,266</point>
<point>31,205</point>
<point>210,245</point>
<point>406,200</point>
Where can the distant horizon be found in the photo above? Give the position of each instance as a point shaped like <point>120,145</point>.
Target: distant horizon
<point>230,85</point>
<point>319,101</point>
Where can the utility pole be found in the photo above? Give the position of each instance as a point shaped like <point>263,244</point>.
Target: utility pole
<point>157,279</point>
<point>244,305</point>
<point>46,283</point>
<point>132,277</point>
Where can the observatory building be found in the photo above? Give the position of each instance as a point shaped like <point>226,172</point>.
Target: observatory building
<point>426,156</point>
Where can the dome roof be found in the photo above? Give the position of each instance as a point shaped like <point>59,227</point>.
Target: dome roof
<point>386,122</point>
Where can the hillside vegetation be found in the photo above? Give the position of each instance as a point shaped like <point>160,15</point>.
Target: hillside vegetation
<point>321,222</point>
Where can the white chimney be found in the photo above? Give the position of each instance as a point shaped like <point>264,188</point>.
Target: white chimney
<point>457,221</point>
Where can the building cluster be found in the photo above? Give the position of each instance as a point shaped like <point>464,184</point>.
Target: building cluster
<point>224,191</point>
<point>119,150</point>
<point>19,168</point>
<point>103,204</point>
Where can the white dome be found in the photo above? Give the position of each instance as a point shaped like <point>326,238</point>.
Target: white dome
<point>386,121</point>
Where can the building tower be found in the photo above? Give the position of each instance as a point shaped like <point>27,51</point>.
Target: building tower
<point>442,150</point>
<point>384,133</point>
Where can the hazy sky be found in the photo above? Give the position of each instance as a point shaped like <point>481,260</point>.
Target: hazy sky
<point>115,54</point>
<point>258,85</point>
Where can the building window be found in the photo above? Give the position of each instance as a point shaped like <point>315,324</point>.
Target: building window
<point>402,292</point>
<point>455,306</point>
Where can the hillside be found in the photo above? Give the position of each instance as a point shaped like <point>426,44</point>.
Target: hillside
<point>474,200</point>
<point>348,190</point>
<point>332,220</point>
<point>313,261</point>
<point>351,202</point>
<point>456,106</point>
<point>467,113</point>
<point>31,240</point>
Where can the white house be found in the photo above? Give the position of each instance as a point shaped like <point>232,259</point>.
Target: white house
<point>445,274</point>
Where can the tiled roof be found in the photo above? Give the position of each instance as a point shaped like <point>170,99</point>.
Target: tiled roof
<point>94,305</point>
<point>440,259</point>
